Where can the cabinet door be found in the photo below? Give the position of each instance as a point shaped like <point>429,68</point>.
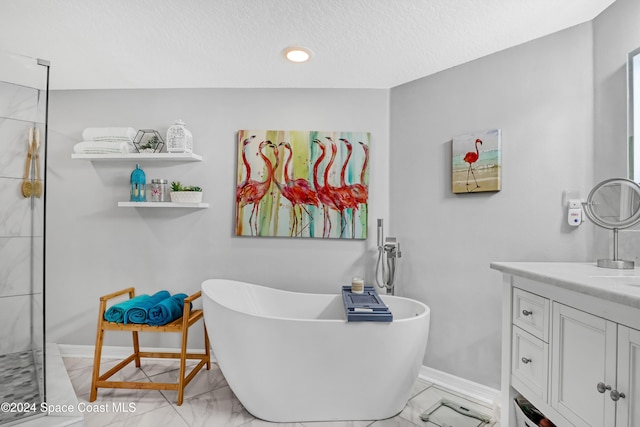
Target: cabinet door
<point>583,355</point>
<point>628,407</point>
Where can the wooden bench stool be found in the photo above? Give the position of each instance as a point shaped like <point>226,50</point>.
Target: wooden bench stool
<point>182,325</point>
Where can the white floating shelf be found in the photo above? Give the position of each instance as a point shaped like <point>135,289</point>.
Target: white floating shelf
<point>166,157</point>
<point>162,205</point>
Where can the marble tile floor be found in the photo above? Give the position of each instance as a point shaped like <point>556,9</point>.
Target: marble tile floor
<point>209,401</point>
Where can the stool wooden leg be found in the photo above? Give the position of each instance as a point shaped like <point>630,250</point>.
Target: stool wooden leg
<point>96,365</point>
<point>97,353</point>
<point>207,351</point>
<point>136,348</point>
<point>183,360</point>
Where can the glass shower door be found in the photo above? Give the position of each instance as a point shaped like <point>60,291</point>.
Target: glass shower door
<point>23,130</point>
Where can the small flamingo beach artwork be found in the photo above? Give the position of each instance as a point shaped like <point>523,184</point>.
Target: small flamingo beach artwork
<point>310,184</point>
<point>476,162</point>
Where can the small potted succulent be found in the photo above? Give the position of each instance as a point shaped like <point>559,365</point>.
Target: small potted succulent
<point>185,194</point>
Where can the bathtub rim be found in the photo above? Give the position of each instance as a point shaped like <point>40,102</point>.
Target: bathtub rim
<point>425,313</point>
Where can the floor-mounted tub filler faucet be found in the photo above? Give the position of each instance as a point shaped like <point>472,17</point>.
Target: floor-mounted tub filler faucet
<point>388,252</point>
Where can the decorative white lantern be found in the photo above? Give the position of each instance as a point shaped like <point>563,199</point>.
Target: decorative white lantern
<point>179,138</point>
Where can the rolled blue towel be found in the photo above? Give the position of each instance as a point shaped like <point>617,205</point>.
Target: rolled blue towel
<point>139,312</point>
<point>167,310</point>
<point>116,312</point>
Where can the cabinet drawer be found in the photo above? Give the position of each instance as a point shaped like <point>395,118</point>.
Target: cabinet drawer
<point>531,313</point>
<point>530,362</point>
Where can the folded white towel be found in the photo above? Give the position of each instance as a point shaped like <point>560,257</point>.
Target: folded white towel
<point>111,139</point>
<point>109,134</point>
<point>94,147</point>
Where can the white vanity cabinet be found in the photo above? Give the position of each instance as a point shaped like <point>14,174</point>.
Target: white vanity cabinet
<point>590,350</point>
<point>584,355</point>
<point>571,343</point>
<point>628,378</point>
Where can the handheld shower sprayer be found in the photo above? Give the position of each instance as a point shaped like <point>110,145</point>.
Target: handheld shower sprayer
<point>388,252</point>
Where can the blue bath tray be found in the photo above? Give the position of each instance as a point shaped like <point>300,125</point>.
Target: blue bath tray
<point>365,307</point>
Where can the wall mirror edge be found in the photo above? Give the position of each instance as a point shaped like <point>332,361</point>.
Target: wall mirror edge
<point>633,113</point>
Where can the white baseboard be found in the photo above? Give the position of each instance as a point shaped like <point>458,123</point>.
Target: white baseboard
<point>487,396</point>
<point>114,352</point>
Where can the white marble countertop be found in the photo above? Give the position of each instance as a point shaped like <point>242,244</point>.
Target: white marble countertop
<point>620,286</point>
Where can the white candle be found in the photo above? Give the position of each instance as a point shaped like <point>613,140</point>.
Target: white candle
<point>357,285</point>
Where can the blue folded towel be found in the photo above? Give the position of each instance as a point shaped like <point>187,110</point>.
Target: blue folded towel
<point>115,313</point>
<point>139,312</point>
<point>167,310</point>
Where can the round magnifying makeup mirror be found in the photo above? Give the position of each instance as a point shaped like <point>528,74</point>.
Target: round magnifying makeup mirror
<point>614,204</point>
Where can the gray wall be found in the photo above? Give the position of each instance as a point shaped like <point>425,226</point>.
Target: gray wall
<point>541,95</point>
<point>94,247</point>
<point>560,102</point>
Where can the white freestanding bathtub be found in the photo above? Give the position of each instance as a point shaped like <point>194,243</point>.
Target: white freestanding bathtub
<point>292,357</point>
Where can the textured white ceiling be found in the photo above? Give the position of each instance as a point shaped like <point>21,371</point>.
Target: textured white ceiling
<point>237,43</point>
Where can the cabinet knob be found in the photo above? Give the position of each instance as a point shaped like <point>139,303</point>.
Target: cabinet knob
<point>527,312</point>
<point>602,388</point>
<point>526,360</point>
<point>616,395</point>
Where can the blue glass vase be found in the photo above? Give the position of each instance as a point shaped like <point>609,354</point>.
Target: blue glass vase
<point>138,185</point>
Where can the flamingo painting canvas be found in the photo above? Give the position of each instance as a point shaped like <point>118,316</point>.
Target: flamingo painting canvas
<point>476,162</point>
<point>309,184</point>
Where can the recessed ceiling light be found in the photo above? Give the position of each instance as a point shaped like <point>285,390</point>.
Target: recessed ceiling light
<point>297,54</point>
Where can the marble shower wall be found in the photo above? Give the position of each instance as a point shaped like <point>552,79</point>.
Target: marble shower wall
<point>21,222</point>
